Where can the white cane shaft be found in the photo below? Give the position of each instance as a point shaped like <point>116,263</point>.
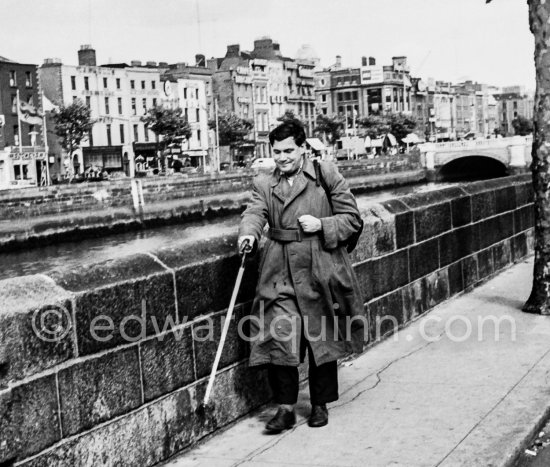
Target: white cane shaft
<point>224,334</point>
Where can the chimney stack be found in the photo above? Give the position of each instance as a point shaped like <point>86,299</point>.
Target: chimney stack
<point>372,61</point>
<point>86,56</point>
<point>338,61</point>
<point>200,60</point>
<point>363,61</point>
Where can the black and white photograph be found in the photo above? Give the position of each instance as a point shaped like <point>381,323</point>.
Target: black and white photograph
<point>270,233</point>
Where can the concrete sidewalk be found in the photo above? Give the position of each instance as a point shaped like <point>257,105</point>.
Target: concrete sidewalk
<point>447,390</point>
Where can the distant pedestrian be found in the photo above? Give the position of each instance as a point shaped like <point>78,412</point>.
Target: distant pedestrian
<point>307,291</point>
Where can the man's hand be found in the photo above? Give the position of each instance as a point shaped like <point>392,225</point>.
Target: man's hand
<point>243,246</point>
<point>310,224</point>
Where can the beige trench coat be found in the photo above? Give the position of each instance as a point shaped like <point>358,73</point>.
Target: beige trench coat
<point>308,284</point>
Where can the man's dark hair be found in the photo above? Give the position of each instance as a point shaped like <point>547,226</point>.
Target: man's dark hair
<point>290,128</point>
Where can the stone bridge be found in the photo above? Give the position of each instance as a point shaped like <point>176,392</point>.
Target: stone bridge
<point>512,154</point>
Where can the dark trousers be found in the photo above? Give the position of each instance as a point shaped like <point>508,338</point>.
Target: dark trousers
<point>323,382</point>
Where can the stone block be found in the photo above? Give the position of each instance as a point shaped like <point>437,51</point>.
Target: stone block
<point>470,271</point>
<point>488,233</point>
<point>461,209</point>
<point>502,254</point>
<point>524,218</point>
<point>385,315</point>
<point>483,205</point>
<point>98,389</point>
<point>432,221</point>
<point>519,247</point>
<point>505,199</point>
<point>125,312</point>
<point>423,258</point>
<point>364,273</point>
<point>158,431</point>
<point>389,273</point>
<point>456,282</point>
<point>404,229</point>
<point>437,287</point>
<point>415,301</point>
<point>458,244</point>
<point>505,225</point>
<point>524,194</point>
<point>418,200</point>
<point>206,336</point>
<point>486,266</point>
<point>36,327</point>
<point>167,362</point>
<point>29,419</point>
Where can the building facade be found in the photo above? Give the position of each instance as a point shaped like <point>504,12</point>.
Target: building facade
<point>513,102</point>
<point>23,158</point>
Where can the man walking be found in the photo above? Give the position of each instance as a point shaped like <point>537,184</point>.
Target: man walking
<point>307,293</point>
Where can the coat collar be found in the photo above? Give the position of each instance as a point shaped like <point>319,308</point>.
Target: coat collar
<point>299,184</point>
<point>307,168</point>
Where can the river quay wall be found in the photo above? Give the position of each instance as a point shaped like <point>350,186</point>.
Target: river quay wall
<point>123,380</point>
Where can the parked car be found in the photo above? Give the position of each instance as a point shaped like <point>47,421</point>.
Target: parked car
<point>263,163</point>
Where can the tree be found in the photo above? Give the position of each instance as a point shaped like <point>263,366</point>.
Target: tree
<point>401,125</point>
<point>398,124</point>
<point>331,127</point>
<point>539,299</point>
<point>168,124</point>
<point>289,116</point>
<point>73,124</point>
<point>374,126</point>
<point>522,126</point>
<point>232,129</point>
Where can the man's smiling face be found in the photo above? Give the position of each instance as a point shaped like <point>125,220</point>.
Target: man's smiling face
<point>287,155</point>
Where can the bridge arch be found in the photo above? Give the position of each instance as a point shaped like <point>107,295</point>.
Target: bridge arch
<point>472,167</point>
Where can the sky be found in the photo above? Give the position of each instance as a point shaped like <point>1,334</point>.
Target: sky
<point>449,40</point>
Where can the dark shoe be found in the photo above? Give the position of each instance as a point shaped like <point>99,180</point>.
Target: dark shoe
<point>283,420</point>
<point>319,416</point>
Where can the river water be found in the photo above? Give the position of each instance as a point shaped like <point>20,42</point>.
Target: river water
<point>72,255</point>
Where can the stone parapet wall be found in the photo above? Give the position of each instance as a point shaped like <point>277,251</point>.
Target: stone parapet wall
<point>123,383</point>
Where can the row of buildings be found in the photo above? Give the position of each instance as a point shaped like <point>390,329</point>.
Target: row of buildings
<point>260,85</point>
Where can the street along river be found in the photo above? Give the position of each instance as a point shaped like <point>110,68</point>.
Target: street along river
<point>73,255</point>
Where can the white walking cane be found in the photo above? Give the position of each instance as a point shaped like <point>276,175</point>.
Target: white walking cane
<point>246,248</point>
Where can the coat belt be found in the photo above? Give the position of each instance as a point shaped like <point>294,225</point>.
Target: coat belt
<point>290,235</point>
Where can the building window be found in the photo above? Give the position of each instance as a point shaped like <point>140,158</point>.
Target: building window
<point>132,84</point>
<point>185,93</point>
<point>197,115</point>
<point>186,114</point>
<point>143,85</point>
<point>28,79</point>
<point>109,135</point>
<point>73,83</point>
<point>146,134</point>
<point>105,83</point>
<point>354,95</point>
<point>199,136</point>
<point>75,98</point>
<point>121,127</point>
<point>196,94</point>
<point>153,85</point>
<point>323,98</point>
<point>134,110</point>
<point>118,83</point>
<point>144,105</point>
<point>88,102</point>
<point>154,101</point>
<point>515,105</point>
<point>106,106</point>
<point>324,110</point>
<point>14,103</point>
<point>13,79</point>
<point>86,83</point>
<point>119,101</point>
<point>91,137</point>
<point>136,135</point>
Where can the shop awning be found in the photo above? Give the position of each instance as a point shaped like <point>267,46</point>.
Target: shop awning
<point>316,144</point>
